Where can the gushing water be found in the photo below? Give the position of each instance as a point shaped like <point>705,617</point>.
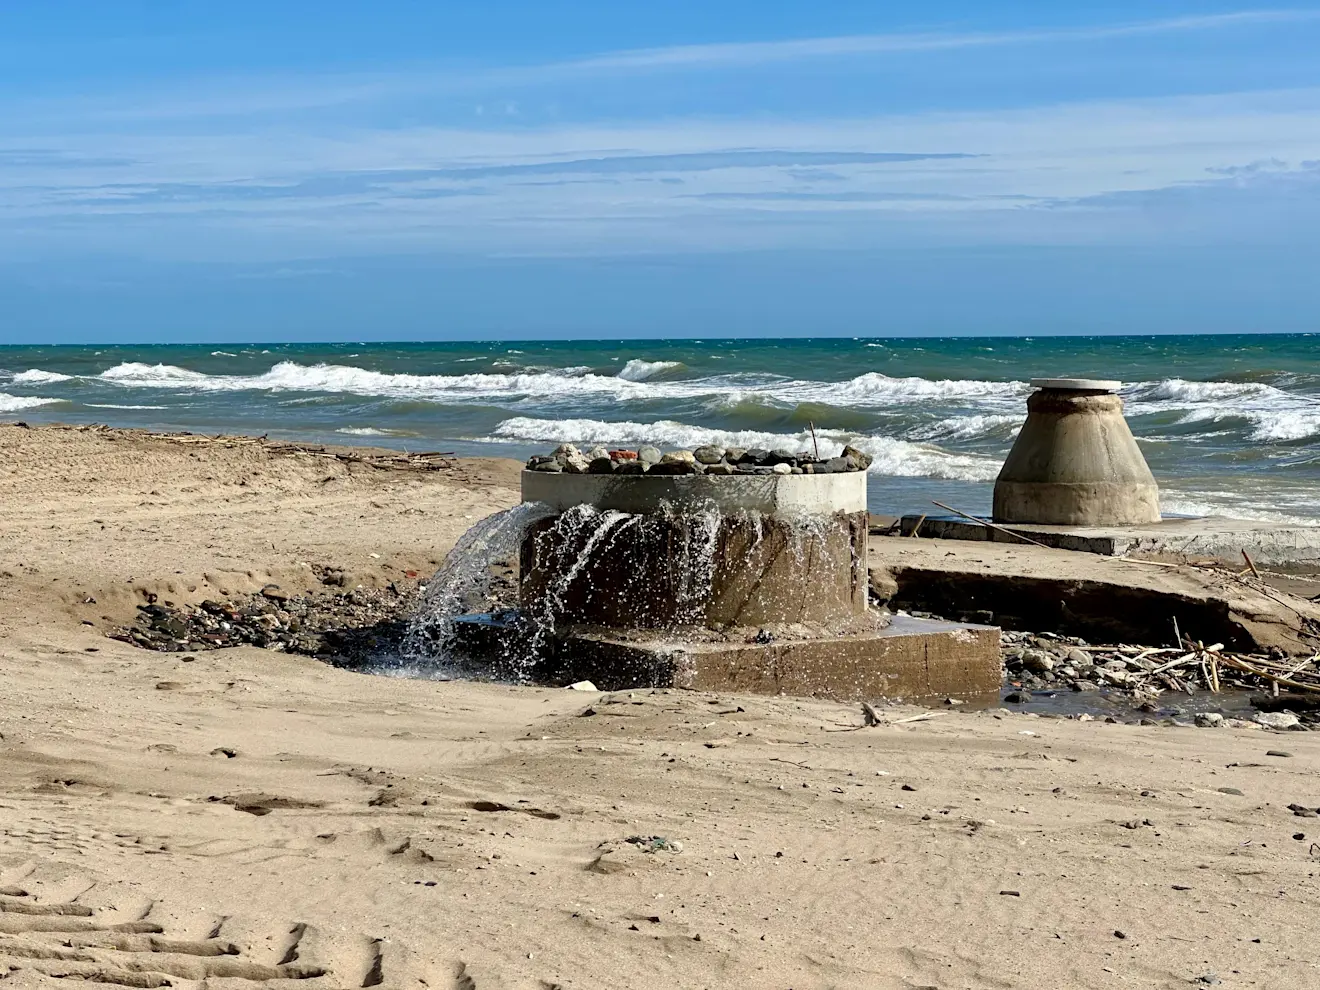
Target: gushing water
<point>683,547</point>
<point>464,583</point>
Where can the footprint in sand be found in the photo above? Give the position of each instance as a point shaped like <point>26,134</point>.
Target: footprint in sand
<point>58,923</point>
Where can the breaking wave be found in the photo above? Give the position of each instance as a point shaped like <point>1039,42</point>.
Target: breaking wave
<point>368,431</point>
<point>913,408</point>
<point>973,427</point>
<point>869,390</point>
<point>1233,504</point>
<point>14,403</point>
<point>1271,414</point>
<point>637,370</point>
<point>115,405</point>
<point>892,457</point>
<point>34,376</point>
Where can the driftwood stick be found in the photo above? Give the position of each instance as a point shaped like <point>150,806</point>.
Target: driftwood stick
<point>815,447</point>
<point>1174,663</point>
<point>1255,572</point>
<point>1307,662</point>
<point>1285,681</point>
<point>917,528</point>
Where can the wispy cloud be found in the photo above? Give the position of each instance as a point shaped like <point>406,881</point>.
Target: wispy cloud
<point>493,87</point>
<point>383,172</point>
<point>760,52</point>
<point>1095,170</point>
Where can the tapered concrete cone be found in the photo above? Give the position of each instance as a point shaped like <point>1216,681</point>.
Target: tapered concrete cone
<point>1076,463</point>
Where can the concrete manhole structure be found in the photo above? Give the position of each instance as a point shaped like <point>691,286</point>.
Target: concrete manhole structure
<point>1075,461</point>
<point>746,582</point>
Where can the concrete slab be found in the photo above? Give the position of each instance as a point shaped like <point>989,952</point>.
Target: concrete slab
<point>1077,384</point>
<point>1103,598</point>
<point>912,659</point>
<point>1217,538</point>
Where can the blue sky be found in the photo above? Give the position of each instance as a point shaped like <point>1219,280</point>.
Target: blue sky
<point>404,170</point>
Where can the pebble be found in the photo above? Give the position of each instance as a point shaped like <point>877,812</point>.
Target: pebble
<point>1279,721</point>
<point>1208,720</point>
<point>568,458</point>
<point>860,458</point>
<point>1038,661</point>
<point>341,622</point>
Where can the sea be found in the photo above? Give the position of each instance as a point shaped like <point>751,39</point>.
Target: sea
<point>1229,424</point>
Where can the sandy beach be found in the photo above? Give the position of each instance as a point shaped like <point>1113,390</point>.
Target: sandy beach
<point>244,816</point>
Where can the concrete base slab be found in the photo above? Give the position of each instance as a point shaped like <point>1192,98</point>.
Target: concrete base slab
<point>1217,538</point>
<point>1103,599</point>
<point>911,659</point>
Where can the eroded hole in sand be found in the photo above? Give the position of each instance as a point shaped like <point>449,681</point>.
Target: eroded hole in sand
<point>359,628</point>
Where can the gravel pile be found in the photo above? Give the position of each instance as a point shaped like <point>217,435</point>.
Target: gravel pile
<point>345,627</point>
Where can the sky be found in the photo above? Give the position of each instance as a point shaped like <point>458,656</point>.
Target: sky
<point>184,171</point>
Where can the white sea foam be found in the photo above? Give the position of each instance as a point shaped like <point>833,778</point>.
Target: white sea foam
<point>14,403</point>
<point>1272,414</point>
<point>154,375</point>
<point>892,457</point>
<point>223,354</point>
<point>975,408</point>
<point>973,427</point>
<point>638,370</point>
<point>874,389</point>
<point>870,390</point>
<point>367,431</point>
<point>37,376</point>
<point>113,405</point>
<point>1238,505</point>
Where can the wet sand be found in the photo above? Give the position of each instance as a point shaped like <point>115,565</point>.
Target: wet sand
<point>243,816</point>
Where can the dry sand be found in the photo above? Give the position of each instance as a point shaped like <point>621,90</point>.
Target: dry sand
<point>373,831</point>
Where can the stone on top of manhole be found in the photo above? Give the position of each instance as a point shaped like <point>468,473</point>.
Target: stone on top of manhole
<point>1076,384</point>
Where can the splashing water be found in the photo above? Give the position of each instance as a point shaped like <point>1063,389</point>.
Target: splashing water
<point>581,532</point>
<point>464,584</point>
<point>568,551</point>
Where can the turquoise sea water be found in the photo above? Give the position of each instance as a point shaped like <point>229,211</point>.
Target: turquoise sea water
<point>1229,424</point>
